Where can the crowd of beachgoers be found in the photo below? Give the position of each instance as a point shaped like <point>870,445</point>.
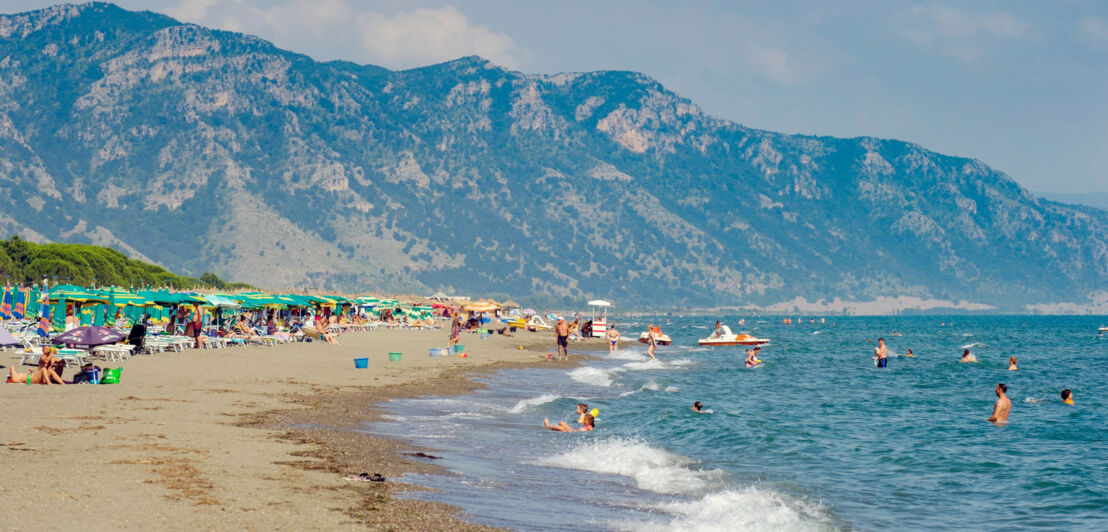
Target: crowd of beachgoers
<point>69,326</point>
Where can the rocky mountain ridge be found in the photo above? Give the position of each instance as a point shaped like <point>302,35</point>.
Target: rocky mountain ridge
<point>211,150</point>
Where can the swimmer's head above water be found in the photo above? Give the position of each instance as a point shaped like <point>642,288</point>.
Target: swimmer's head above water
<point>1067,396</point>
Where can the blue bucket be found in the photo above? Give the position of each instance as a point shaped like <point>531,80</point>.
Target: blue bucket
<point>361,363</point>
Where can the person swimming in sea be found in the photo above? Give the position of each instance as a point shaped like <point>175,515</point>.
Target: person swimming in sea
<point>1012,364</point>
<point>1067,396</point>
<point>752,357</point>
<point>697,407</point>
<point>968,357</point>
<point>562,426</point>
<point>582,411</point>
<point>910,354</point>
<point>1003,405</point>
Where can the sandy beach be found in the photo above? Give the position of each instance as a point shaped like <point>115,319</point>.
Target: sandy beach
<point>254,438</point>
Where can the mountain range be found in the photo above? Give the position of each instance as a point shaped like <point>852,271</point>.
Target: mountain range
<point>207,150</point>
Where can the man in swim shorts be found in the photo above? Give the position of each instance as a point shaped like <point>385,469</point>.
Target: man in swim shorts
<point>1067,396</point>
<point>561,331</point>
<point>1003,405</point>
<point>881,353</point>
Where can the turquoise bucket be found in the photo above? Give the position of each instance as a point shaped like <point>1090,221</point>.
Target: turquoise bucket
<point>361,363</point>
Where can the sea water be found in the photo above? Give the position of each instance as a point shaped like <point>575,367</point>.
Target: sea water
<point>816,438</point>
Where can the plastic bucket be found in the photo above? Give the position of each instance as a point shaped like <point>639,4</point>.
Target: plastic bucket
<point>484,335</point>
<point>394,356</point>
<point>438,351</point>
<point>361,363</point>
<point>459,348</point>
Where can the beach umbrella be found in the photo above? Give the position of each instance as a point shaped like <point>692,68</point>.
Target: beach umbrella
<point>214,301</point>
<point>529,312</point>
<point>86,337</point>
<point>600,303</point>
<point>480,306</point>
<point>6,338</point>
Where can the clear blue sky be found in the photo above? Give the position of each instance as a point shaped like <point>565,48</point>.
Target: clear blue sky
<point>1022,86</point>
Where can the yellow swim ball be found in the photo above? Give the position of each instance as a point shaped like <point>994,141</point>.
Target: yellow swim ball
<point>595,412</point>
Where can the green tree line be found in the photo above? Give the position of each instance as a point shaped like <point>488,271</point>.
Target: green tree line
<point>23,262</point>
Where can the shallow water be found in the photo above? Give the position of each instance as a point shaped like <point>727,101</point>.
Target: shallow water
<point>815,438</point>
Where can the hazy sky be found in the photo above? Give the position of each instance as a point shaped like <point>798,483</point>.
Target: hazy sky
<point>1022,86</point>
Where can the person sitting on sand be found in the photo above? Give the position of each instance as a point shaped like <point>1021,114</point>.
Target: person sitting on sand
<point>613,338</point>
<point>321,326</point>
<point>968,357</point>
<point>564,427</point>
<point>49,370</point>
<point>1012,364</point>
<point>1067,396</point>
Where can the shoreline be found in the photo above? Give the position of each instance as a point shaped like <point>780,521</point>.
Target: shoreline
<point>260,435</point>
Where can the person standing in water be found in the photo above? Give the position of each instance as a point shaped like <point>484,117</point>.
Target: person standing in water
<point>1003,405</point>
<point>651,342</point>
<point>561,332</point>
<point>613,339</point>
<point>881,353</point>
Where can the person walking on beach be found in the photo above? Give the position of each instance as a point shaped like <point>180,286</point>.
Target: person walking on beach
<point>1003,405</point>
<point>455,330</point>
<point>613,339</point>
<point>561,332</point>
<point>881,353</point>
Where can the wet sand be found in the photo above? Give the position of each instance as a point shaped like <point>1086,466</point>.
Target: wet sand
<point>255,438</point>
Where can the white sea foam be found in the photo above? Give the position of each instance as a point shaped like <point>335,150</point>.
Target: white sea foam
<point>627,354</point>
<point>975,344</point>
<point>742,509</point>
<point>651,385</point>
<point>467,415</point>
<point>671,389</point>
<point>534,401</point>
<point>652,364</point>
<point>594,376</point>
<point>652,469</point>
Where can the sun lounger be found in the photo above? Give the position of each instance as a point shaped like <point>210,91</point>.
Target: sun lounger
<point>114,352</point>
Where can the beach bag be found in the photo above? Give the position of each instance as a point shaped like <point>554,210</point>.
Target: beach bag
<point>111,376</point>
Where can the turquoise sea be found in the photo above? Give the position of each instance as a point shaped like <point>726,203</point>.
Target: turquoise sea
<point>816,438</point>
